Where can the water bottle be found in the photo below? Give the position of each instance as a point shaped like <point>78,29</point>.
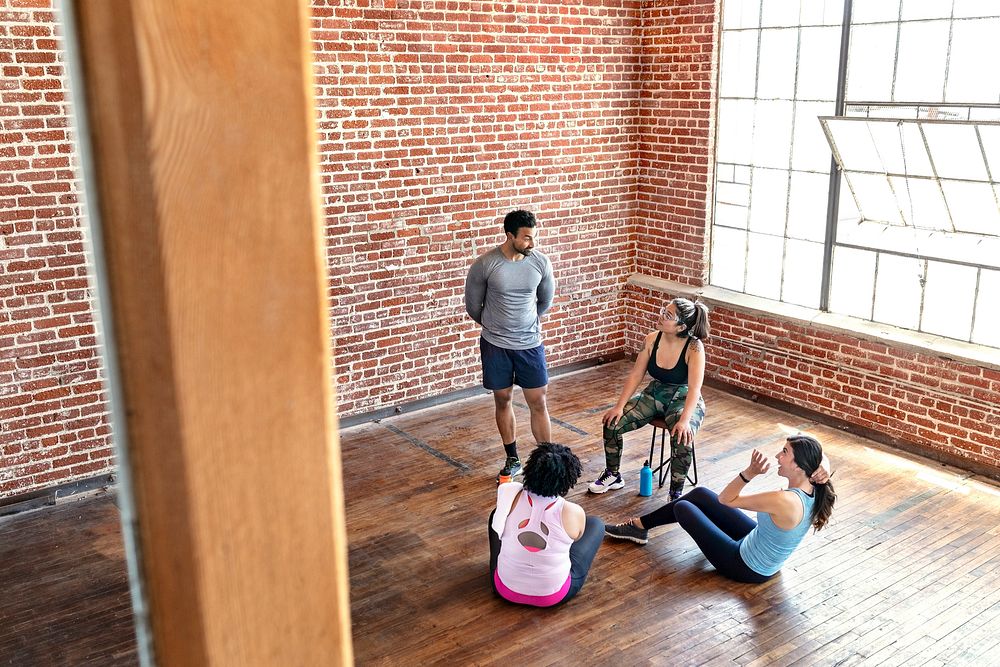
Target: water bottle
<point>646,480</point>
<point>504,477</point>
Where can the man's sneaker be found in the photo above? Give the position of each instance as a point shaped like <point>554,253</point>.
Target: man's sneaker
<point>626,531</point>
<point>675,495</point>
<point>606,482</point>
<point>511,469</point>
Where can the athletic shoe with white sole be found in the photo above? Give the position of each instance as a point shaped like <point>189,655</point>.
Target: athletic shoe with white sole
<point>608,481</point>
<point>626,531</point>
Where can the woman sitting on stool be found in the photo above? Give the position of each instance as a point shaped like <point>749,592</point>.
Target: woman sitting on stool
<point>674,356</point>
<point>542,545</point>
<point>739,547</point>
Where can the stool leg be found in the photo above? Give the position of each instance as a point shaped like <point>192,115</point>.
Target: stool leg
<point>694,466</point>
<point>652,443</point>
<point>661,472</point>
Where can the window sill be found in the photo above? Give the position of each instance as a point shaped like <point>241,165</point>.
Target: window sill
<point>923,343</point>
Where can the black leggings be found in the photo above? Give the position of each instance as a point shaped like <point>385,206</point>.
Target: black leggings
<point>718,530</point>
<point>581,554</point>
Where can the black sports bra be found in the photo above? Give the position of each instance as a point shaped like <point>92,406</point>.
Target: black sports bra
<point>676,375</point>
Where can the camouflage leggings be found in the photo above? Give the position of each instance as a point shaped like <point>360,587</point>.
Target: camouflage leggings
<point>656,400</point>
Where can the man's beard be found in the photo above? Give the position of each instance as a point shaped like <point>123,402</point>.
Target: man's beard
<point>525,252</point>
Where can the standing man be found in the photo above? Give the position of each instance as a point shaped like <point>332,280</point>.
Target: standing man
<point>507,290</point>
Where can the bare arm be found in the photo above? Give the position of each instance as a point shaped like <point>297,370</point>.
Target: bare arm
<point>775,503</point>
<point>574,520</point>
<point>632,382</point>
<point>785,510</point>
<point>696,378</point>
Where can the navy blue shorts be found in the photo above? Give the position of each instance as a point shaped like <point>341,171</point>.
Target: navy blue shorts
<point>504,368</point>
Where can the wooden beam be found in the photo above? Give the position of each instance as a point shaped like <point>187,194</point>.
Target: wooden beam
<point>203,144</point>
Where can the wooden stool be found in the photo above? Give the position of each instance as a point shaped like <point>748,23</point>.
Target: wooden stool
<point>662,470</point>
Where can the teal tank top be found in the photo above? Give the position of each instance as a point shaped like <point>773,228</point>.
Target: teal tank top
<point>766,548</point>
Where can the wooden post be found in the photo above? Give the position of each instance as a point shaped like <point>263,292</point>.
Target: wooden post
<point>203,144</point>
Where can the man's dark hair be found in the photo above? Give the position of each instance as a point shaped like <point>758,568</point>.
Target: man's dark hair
<point>514,220</point>
<point>551,470</point>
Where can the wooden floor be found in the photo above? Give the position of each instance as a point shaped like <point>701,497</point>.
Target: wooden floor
<point>64,597</point>
<point>908,573</point>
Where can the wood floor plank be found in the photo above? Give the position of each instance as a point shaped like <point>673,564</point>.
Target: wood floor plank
<point>64,596</point>
<point>680,611</point>
<point>907,572</point>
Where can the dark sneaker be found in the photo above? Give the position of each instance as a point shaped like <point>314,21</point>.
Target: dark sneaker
<point>626,531</point>
<point>511,469</point>
<point>676,493</point>
<point>608,481</point>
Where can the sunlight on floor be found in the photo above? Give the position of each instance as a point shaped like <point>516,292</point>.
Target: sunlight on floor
<point>951,483</point>
<point>790,430</point>
<point>983,487</point>
<point>960,483</point>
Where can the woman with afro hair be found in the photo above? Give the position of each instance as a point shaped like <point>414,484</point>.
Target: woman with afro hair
<point>542,545</point>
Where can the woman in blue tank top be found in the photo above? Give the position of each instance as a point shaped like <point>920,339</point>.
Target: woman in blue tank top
<point>739,547</point>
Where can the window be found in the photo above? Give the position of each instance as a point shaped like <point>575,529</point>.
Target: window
<point>902,127</point>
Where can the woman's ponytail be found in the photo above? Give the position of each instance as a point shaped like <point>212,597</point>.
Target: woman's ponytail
<point>693,315</point>
<point>699,325</point>
<point>808,455</point>
<point>823,504</point>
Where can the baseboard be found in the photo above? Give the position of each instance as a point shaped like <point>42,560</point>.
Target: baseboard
<point>861,431</point>
<point>468,392</point>
<point>23,502</point>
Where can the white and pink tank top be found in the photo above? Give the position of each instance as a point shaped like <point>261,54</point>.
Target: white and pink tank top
<point>533,566</point>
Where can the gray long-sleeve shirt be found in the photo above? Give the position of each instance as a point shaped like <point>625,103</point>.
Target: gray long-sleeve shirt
<point>507,298</point>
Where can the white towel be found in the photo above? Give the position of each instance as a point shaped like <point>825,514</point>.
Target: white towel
<point>505,498</point>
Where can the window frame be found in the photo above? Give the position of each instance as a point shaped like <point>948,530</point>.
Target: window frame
<point>835,188</point>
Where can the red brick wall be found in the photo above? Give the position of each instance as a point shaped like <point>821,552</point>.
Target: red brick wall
<point>943,405</point>
<point>675,139</point>
<point>435,119</point>
<point>53,419</point>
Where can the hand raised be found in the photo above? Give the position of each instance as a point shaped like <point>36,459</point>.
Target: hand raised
<point>821,476</point>
<point>759,464</point>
